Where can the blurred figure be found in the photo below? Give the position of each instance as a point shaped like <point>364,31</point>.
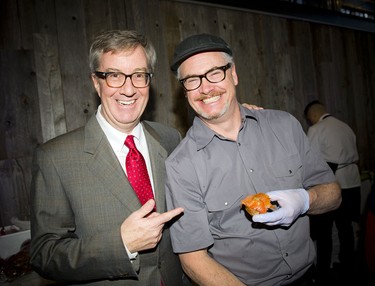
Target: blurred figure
<point>337,143</point>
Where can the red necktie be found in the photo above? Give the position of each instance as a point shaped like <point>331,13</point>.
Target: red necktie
<point>137,172</point>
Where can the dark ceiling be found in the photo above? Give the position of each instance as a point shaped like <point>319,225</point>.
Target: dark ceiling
<point>364,6</point>
<point>352,14</point>
<point>359,8</point>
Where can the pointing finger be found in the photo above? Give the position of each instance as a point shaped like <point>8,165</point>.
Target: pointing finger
<point>167,216</point>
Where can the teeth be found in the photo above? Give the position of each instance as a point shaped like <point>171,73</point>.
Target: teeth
<point>211,99</point>
<point>126,102</point>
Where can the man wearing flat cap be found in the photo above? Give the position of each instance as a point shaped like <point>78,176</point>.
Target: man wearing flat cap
<point>229,153</point>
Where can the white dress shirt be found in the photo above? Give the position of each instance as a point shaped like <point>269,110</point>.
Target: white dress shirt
<point>116,139</point>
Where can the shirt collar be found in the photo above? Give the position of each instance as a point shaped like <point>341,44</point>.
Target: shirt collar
<point>115,137</point>
<point>325,115</point>
<point>204,135</point>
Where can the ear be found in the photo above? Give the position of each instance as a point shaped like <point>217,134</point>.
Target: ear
<point>96,83</point>
<point>234,74</point>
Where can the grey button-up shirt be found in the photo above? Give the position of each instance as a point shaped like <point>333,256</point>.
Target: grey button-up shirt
<point>209,175</point>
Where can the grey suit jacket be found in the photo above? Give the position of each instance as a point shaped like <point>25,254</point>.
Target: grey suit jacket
<point>80,196</point>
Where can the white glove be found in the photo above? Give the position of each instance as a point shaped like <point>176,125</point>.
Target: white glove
<point>293,203</point>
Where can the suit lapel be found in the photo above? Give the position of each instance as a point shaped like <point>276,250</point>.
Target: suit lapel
<point>105,166</point>
<point>158,155</point>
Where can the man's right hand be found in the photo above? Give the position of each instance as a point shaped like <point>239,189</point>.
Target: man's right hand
<point>143,228</point>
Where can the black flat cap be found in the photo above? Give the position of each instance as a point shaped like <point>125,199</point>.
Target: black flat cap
<point>197,44</point>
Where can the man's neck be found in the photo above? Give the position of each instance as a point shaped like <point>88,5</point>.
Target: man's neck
<point>227,125</point>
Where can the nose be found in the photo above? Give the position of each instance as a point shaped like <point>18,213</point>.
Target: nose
<point>128,89</point>
<point>206,86</point>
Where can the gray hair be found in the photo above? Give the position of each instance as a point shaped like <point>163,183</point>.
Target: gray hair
<point>117,41</point>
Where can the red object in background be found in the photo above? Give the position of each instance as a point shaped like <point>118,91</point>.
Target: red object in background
<point>370,235</point>
<point>370,242</point>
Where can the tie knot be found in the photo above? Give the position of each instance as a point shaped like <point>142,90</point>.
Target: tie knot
<point>129,142</point>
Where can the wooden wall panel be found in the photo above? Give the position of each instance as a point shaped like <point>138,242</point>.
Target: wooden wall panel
<point>51,98</point>
<point>80,101</point>
<point>9,27</point>
<point>44,17</point>
<point>46,90</point>
<point>303,68</point>
<point>102,16</point>
<point>238,29</point>
<point>19,104</point>
<point>26,12</point>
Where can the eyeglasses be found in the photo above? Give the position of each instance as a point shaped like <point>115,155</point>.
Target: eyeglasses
<point>214,75</point>
<point>118,79</point>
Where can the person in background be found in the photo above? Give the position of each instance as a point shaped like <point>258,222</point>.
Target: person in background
<point>337,143</point>
<point>88,226</point>
<point>229,153</point>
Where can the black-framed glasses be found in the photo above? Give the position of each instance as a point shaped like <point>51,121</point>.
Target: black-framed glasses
<point>214,75</point>
<point>118,79</point>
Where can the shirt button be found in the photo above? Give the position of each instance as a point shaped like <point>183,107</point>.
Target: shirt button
<point>226,203</point>
<point>251,170</point>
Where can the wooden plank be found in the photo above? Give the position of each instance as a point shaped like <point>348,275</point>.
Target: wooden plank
<point>303,67</point>
<point>269,76</point>
<point>101,16</point>
<point>80,99</point>
<point>181,113</point>
<point>51,100</point>
<point>20,114</point>
<point>282,65</point>
<point>359,48</point>
<point>247,56</point>
<point>9,29</point>
<point>25,10</point>
<point>337,102</point>
<point>45,17</point>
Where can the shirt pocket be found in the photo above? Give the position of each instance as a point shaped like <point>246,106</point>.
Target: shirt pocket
<point>223,212</point>
<point>287,171</point>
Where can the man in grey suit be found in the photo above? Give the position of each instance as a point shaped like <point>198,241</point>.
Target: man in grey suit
<point>87,224</point>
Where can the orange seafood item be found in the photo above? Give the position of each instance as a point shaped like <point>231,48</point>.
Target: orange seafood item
<point>257,204</point>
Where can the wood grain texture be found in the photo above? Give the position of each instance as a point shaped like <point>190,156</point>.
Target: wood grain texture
<point>46,90</point>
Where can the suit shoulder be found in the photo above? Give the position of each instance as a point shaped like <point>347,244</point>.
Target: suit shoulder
<point>66,139</point>
<point>168,137</point>
<point>160,128</point>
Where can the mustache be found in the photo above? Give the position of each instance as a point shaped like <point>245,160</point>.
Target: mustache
<point>206,96</point>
